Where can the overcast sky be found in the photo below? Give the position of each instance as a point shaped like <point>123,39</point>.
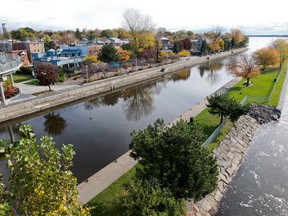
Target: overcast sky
<point>251,16</point>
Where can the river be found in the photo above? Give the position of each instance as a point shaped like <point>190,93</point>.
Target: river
<point>99,128</point>
<point>260,187</point>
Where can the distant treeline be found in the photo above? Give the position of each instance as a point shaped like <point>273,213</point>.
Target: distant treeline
<point>267,35</point>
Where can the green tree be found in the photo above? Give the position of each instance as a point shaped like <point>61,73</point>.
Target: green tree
<point>223,105</point>
<point>41,182</point>
<point>176,48</point>
<point>47,74</point>
<point>108,33</point>
<point>174,156</point>
<point>47,41</point>
<point>78,34</point>
<point>108,53</point>
<point>147,198</point>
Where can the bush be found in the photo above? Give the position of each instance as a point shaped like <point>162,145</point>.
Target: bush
<point>147,198</point>
<point>175,157</point>
<point>26,70</point>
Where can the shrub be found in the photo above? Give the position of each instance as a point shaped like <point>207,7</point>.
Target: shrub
<point>146,198</point>
<point>175,157</point>
<point>26,70</point>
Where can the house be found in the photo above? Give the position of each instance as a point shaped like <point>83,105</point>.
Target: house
<point>23,56</point>
<point>66,56</point>
<point>31,47</point>
<point>166,43</point>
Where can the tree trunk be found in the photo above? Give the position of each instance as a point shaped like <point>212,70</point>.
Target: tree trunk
<point>49,88</point>
<point>247,82</point>
<point>221,118</point>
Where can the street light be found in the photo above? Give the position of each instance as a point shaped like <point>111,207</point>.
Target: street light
<point>87,72</point>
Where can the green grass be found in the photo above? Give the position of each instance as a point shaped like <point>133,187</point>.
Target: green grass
<point>21,77</point>
<point>277,91</point>
<point>208,121</point>
<point>261,88</point>
<point>106,203</point>
<point>221,136</point>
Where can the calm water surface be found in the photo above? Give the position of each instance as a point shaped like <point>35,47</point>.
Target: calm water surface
<point>100,128</point>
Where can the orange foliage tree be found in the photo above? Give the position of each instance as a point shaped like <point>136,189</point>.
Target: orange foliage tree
<point>266,56</point>
<point>237,35</point>
<point>124,55</point>
<point>245,67</point>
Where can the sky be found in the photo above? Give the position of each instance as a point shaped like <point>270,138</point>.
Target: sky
<point>250,16</point>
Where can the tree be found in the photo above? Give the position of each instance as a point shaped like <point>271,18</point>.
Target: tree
<point>47,74</point>
<point>47,41</point>
<point>146,198</point>
<point>139,27</point>
<point>108,53</point>
<point>281,46</point>
<point>184,53</point>
<point>124,55</point>
<point>41,182</point>
<point>245,67</point>
<point>237,36</point>
<point>266,56</point>
<point>108,33</point>
<point>176,48</point>
<point>174,156</point>
<point>223,105</point>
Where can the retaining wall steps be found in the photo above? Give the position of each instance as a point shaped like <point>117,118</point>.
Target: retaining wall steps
<point>229,155</point>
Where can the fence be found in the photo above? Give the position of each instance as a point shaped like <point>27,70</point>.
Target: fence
<point>219,128</point>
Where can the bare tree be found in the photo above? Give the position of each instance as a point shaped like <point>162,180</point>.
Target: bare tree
<point>138,26</point>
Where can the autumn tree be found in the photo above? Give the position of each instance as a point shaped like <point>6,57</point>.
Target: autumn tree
<point>244,67</point>
<point>124,55</point>
<point>47,74</point>
<point>266,56</point>
<point>108,53</point>
<point>281,46</point>
<point>140,28</point>
<point>174,156</point>
<point>237,36</point>
<point>184,53</point>
<point>41,182</point>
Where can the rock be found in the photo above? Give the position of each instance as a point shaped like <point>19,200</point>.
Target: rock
<point>264,114</point>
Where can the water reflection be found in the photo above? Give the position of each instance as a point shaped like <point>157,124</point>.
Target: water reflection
<point>138,103</point>
<point>182,75</point>
<point>10,132</point>
<point>54,124</point>
<point>211,68</point>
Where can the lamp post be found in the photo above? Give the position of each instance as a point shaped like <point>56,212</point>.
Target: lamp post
<point>87,73</point>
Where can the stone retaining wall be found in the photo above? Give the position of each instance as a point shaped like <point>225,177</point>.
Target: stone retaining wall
<point>106,85</point>
<point>229,155</point>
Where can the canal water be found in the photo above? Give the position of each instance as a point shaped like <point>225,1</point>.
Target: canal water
<point>99,128</point>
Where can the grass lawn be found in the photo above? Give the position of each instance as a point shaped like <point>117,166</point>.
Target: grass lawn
<point>21,77</point>
<point>260,89</point>
<point>105,203</point>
